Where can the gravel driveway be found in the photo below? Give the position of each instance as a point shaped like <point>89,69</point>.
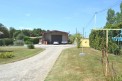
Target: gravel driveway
<point>32,69</point>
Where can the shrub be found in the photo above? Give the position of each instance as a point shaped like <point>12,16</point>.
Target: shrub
<point>6,54</point>
<point>35,40</point>
<point>31,40</point>
<point>1,42</point>
<point>6,41</point>
<point>30,46</point>
<point>27,39</point>
<point>19,43</point>
<point>71,39</point>
<point>28,42</point>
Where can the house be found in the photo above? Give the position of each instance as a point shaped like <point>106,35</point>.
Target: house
<point>84,42</point>
<point>50,37</point>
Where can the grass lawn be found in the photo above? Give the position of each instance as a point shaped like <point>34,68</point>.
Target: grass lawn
<point>72,67</point>
<point>20,53</point>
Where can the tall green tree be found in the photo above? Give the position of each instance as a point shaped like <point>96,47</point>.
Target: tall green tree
<point>16,33</point>
<point>12,31</point>
<point>110,16</point>
<point>20,36</point>
<point>119,15</point>
<point>37,32</point>
<point>4,30</point>
<point>27,32</point>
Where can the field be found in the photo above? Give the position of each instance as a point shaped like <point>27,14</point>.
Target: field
<point>19,53</point>
<point>72,67</point>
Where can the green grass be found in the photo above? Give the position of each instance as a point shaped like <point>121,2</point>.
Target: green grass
<point>20,53</point>
<point>72,67</point>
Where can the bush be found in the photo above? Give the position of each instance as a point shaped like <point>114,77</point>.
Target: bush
<point>28,42</point>
<point>35,40</point>
<point>30,46</point>
<point>71,39</point>
<point>31,40</point>
<point>6,42</point>
<point>6,54</point>
<point>19,43</point>
<point>114,48</point>
<point>2,42</point>
<point>27,39</point>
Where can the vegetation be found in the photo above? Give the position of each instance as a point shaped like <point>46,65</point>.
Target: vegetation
<point>75,37</point>
<point>6,41</point>
<point>72,67</point>
<point>78,39</point>
<point>18,37</point>
<point>71,38</point>
<point>4,30</point>
<point>19,43</point>
<point>17,53</point>
<point>6,54</point>
<point>97,38</point>
<point>30,46</point>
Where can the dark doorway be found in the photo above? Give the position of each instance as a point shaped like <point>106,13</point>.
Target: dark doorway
<point>56,38</point>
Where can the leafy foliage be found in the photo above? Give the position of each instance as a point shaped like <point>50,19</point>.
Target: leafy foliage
<point>30,46</point>
<point>71,38</point>
<point>78,39</point>
<point>4,30</point>
<point>98,39</point>
<point>6,42</point>
<point>110,16</point>
<point>11,32</point>
<point>6,54</point>
<point>20,36</point>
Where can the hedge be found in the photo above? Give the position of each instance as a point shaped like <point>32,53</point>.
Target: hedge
<point>6,41</point>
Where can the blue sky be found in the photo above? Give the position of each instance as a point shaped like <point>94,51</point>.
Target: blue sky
<point>64,15</point>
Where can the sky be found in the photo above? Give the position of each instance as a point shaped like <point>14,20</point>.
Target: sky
<point>63,15</point>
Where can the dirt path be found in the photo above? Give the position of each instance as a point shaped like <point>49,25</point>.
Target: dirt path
<point>33,69</point>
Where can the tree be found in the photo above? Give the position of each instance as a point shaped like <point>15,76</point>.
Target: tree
<point>78,37</point>
<point>97,38</point>
<point>71,38</point>
<point>12,31</point>
<point>110,16</point>
<point>20,36</point>
<point>4,30</point>
<point>121,8</point>
<point>16,33</point>
<point>27,32</point>
<point>119,15</point>
<point>37,32</point>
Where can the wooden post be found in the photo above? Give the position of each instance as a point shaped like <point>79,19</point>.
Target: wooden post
<point>106,73</point>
